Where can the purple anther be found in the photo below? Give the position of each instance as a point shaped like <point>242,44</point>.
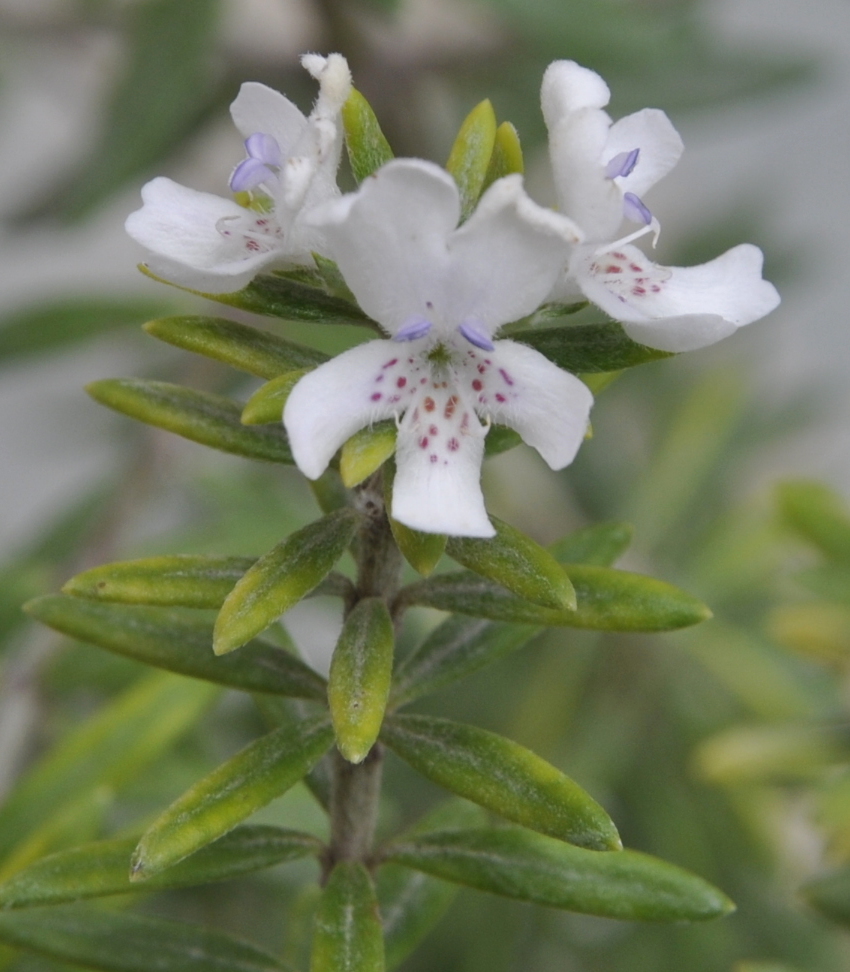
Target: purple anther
<point>263,147</point>
<point>249,174</point>
<point>476,335</point>
<point>412,330</point>
<point>635,210</point>
<point>622,164</point>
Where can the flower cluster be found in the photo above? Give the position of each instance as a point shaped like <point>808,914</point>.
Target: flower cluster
<point>440,290</point>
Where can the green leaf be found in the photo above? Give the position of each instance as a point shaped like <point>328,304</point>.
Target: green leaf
<point>507,155</point>
<point>608,600</point>
<point>411,904</point>
<point>116,941</point>
<point>40,327</point>
<point>366,451</point>
<point>209,419</point>
<point>102,868</point>
<point>453,650</point>
<point>112,748</point>
<point>827,580</point>
<point>518,563</point>
<point>819,515</point>
<point>830,895</point>
<point>171,640</point>
<point>589,347</point>
<point>360,676</point>
<point>500,439</point>
<point>347,934</point>
<point>815,629</point>
<point>265,769</point>
<point>246,348</point>
<point>519,864</point>
<point>470,156</point>
<point>282,577</point>
<point>367,147</point>
<point>266,404</point>
<point>184,580</point>
<point>600,544</point>
<point>502,776</point>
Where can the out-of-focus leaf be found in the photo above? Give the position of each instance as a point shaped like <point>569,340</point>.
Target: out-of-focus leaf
<point>41,327</point>
<point>411,904</point>
<point>507,155</point>
<point>180,643</point>
<point>589,347</point>
<point>202,417</point>
<point>360,675</point>
<point>111,748</point>
<point>103,868</point>
<point>246,348</point>
<point>265,769</point>
<point>520,864</point>
<point>608,600</point>
<point>266,404</point>
<point>830,895</point>
<point>502,776</point>
<point>600,544</point>
<point>518,563</point>
<point>819,514</point>
<point>469,159</point>
<point>115,941</point>
<point>456,648</point>
<point>347,936</point>
<point>367,147</point>
<point>829,580</point>
<point>816,630</point>
<point>366,451</point>
<point>282,577</point>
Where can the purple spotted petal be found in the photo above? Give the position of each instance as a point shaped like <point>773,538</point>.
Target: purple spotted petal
<point>476,335</point>
<point>622,164</point>
<point>263,147</point>
<point>412,330</point>
<point>249,174</point>
<point>635,210</point>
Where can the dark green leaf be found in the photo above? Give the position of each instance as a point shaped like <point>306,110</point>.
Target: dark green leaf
<point>282,577</point>
<point>830,895</point>
<point>103,867</point>
<point>502,776</point>
<point>172,640</point>
<point>500,439</point>
<point>520,864</point>
<point>600,544</point>
<point>819,514</point>
<point>265,769</point>
<point>246,348</point>
<point>347,935</point>
<point>116,941</point>
<point>367,148</point>
<point>589,347</point>
<point>209,419</point>
<point>469,159</point>
<point>411,904</point>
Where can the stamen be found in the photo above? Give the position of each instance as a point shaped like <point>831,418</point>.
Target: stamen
<point>264,148</point>
<point>412,330</point>
<point>635,210</point>
<point>249,174</point>
<point>476,335</point>
<point>622,164</point>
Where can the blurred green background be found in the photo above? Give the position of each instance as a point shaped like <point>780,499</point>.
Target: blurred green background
<point>723,749</point>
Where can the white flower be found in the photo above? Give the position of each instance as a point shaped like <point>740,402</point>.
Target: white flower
<point>602,171</point>
<point>215,245</point>
<point>441,292</point>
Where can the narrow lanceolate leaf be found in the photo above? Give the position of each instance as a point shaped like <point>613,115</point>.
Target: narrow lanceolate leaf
<point>246,348</point>
<point>209,419</point>
<point>282,577</point>
<point>453,650</point>
<point>411,904</point>
<point>819,514</point>
<point>366,451</point>
<point>608,600</point>
<point>600,544</point>
<point>102,868</point>
<point>265,406</point>
<point>367,147</point>
<point>507,155</point>
<point>179,643</point>
<point>520,864</point>
<point>262,771</point>
<point>516,562</point>
<point>502,776</point>
<point>115,941</point>
<point>178,580</point>
<point>830,895</point>
<point>470,156</point>
<point>111,748</point>
<point>360,676</point>
<point>347,934</point>
<point>589,347</point>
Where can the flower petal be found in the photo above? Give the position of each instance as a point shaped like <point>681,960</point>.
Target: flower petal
<point>258,108</point>
<point>180,228</point>
<point>366,384</point>
<point>660,145</point>
<point>567,87</point>
<point>517,386</point>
